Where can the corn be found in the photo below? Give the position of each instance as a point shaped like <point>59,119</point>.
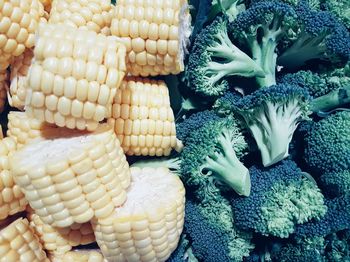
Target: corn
<point>23,128</point>
<point>69,176</point>
<point>18,77</point>
<point>18,243</point>
<point>3,89</point>
<point>58,241</point>
<point>148,226</point>
<point>142,117</point>
<point>47,5</point>
<point>18,23</point>
<point>94,15</point>
<point>75,76</point>
<point>80,255</point>
<point>155,33</point>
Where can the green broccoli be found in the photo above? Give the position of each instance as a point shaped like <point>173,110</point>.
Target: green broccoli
<point>335,184</point>
<point>230,8</point>
<point>338,246</point>
<point>340,8</point>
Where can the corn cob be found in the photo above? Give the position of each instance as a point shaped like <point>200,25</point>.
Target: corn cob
<point>148,226</point>
<point>18,243</point>
<point>75,76</point>
<point>142,117</point>
<point>155,33</point>
<point>69,176</point>
<point>80,255</point>
<point>58,241</point>
<point>23,128</point>
<point>3,89</point>
<point>94,15</point>
<point>18,23</point>
<point>18,77</point>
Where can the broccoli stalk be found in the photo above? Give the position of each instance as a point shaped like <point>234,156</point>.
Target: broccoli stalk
<point>231,8</point>
<point>332,100</point>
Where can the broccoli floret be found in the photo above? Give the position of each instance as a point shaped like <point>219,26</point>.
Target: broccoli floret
<point>341,9</point>
<point>338,246</point>
<point>272,114</point>
<point>224,104</point>
<point>327,146</point>
<point>212,232</point>
<point>280,199</point>
<point>260,28</point>
<point>183,252</point>
<point>214,57</point>
<point>335,184</point>
<point>211,156</point>
<point>321,36</point>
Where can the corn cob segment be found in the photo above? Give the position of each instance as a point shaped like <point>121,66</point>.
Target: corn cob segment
<point>3,89</point>
<point>80,255</point>
<point>94,15</point>
<point>59,241</point>
<point>155,33</point>
<point>18,243</point>
<point>75,76</point>
<point>148,226</point>
<point>142,117</point>
<point>18,77</point>
<point>69,176</point>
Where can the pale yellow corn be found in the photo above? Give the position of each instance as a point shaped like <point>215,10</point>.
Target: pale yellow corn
<point>3,89</point>
<point>94,15</point>
<point>69,176</point>
<point>58,241</point>
<point>23,128</point>
<point>142,117</point>
<point>18,23</point>
<point>19,244</point>
<point>18,79</point>
<point>74,77</point>
<point>155,33</point>
<point>148,226</point>
<point>80,255</point>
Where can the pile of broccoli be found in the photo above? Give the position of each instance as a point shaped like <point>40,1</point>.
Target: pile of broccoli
<point>264,120</point>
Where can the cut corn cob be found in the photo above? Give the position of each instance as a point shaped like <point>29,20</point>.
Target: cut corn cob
<point>69,176</point>
<point>19,244</point>
<point>94,15</point>
<point>58,241</point>
<point>155,33</point>
<point>18,77</point>
<point>75,76</point>
<point>148,226</point>
<point>142,117</point>
<point>23,128</point>
<point>18,23</point>
<point>80,255</point>
<point>3,89</point>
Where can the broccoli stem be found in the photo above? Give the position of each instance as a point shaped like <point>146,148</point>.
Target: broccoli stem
<point>226,167</point>
<point>331,100</point>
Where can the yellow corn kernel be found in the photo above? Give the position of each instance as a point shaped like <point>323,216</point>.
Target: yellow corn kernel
<point>19,243</point>
<point>79,255</point>
<point>148,226</point>
<point>3,89</point>
<point>70,176</point>
<point>142,117</point>
<point>58,241</point>
<point>74,77</point>
<point>153,28</point>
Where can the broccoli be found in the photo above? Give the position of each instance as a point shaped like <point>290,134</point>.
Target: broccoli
<point>341,9</point>
<point>211,155</point>
<point>183,252</point>
<point>231,8</point>
<point>212,232</point>
<point>272,115</point>
<point>321,36</point>
<point>335,184</point>
<point>338,246</point>
<point>327,144</point>
<point>260,28</point>
<point>214,57</point>
<point>223,105</point>
<point>280,199</point>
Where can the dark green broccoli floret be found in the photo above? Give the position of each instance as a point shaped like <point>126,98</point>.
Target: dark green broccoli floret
<point>211,158</point>
<point>223,105</point>
<point>260,28</point>
<point>212,232</point>
<point>340,8</point>
<point>335,184</point>
<point>214,57</point>
<point>327,146</point>
<point>338,246</point>
<point>272,114</point>
<point>183,252</point>
<point>280,199</point>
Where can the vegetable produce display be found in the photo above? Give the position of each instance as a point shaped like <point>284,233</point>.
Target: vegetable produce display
<point>175,130</point>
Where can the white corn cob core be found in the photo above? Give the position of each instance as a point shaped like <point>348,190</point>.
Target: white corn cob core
<point>69,176</point>
<point>18,243</point>
<point>148,226</point>
<point>74,77</point>
<point>94,15</point>
<point>80,255</point>
<point>58,241</point>
<point>3,89</point>
<point>142,117</point>
<point>155,33</point>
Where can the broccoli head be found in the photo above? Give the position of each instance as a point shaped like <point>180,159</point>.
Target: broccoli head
<point>335,184</point>
<point>338,246</point>
<point>341,9</point>
<point>327,146</point>
<point>272,114</point>
<point>214,58</point>
<point>281,198</point>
